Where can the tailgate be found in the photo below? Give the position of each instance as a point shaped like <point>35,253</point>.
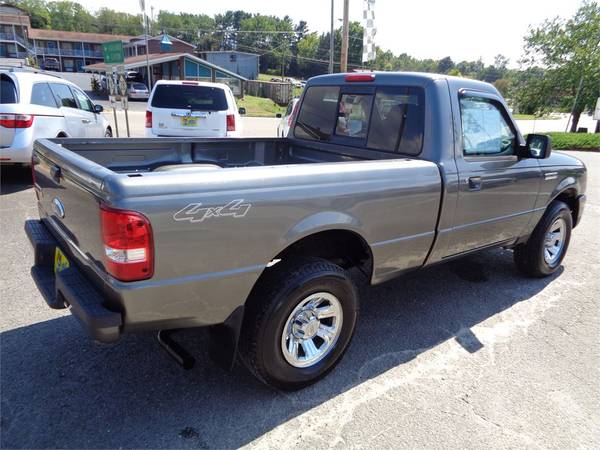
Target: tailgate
<point>68,188</point>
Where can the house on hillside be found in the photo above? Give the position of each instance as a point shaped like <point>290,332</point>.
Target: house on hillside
<point>242,63</point>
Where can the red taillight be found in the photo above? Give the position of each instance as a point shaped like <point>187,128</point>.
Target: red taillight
<point>148,119</point>
<point>16,120</point>
<point>128,246</point>
<point>190,83</point>
<point>358,77</point>
<point>230,122</point>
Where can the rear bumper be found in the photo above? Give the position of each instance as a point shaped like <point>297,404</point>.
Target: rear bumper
<point>581,199</point>
<point>69,288</point>
<point>19,151</point>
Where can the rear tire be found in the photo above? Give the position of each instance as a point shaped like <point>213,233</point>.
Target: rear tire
<point>108,133</point>
<point>543,253</point>
<point>310,299</point>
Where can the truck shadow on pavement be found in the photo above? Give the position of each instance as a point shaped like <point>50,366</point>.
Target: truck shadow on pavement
<point>14,178</point>
<point>61,390</point>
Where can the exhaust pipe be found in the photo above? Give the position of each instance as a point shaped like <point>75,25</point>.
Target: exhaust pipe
<point>175,351</point>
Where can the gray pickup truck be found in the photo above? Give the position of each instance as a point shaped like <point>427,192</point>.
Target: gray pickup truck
<point>381,173</point>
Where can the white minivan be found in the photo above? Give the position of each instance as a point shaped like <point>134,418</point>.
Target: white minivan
<point>35,105</point>
<point>192,109</point>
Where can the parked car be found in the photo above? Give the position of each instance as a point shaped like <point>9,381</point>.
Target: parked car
<point>35,105</point>
<point>51,64</point>
<point>286,121</point>
<point>381,172</point>
<point>192,109</point>
<point>133,75</point>
<point>137,91</point>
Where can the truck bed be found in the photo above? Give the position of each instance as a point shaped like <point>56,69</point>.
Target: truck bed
<point>148,155</point>
<point>222,209</point>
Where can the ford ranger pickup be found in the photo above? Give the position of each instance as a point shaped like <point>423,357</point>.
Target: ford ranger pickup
<point>381,173</point>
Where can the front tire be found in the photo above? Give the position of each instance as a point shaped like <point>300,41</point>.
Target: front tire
<point>108,133</point>
<point>298,322</point>
<point>543,253</point>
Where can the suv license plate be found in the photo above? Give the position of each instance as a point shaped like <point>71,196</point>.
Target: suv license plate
<point>189,121</point>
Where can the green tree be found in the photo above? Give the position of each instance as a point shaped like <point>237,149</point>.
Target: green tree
<point>38,12</point>
<point>570,51</point>
<point>114,22</point>
<point>70,16</point>
<point>445,65</point>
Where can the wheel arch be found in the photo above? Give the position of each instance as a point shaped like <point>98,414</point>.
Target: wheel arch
<point>568,193</point>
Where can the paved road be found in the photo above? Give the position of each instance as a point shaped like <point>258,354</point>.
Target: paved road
<point>463,355</point>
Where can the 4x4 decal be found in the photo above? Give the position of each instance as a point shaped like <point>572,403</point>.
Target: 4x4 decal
<point>194,212</point>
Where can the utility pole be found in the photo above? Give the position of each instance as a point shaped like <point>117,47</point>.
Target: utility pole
<point>145,21</point>
<point>344,58</point>
<point>331,40</point>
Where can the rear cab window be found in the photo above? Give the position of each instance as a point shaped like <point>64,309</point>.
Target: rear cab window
<point>196,98</point>
<point>388,118</point>
<point>8,90</point>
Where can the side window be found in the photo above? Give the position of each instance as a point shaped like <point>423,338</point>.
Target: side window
<point>318,113</point>
<point>397,120</point>
<point>83,100</point>
<point>353,115</point>
<point>64,95</point>
<point>484,129</point>
<point>42,95</point>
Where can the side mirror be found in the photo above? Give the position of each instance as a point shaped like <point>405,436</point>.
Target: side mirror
<point>242,110</point>
<point>278,115</point>
<point>98,109</point>
<point>538,146</point>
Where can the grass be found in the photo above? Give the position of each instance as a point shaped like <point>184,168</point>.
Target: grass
<point>575,141</point>
<point>534,117</point>
<point>260,107</point>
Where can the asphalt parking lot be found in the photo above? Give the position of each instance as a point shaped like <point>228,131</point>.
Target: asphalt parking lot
<point>463,355</point>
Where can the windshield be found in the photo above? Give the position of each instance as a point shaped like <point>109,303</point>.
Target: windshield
<point>199,98</point>
<point>138,86</point>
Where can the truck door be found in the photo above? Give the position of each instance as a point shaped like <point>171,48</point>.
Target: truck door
<point>497,188</point>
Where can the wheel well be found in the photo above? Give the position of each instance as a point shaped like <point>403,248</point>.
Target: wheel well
<point>62,134</point>
<point>342,247</point>
<point>570,198</point>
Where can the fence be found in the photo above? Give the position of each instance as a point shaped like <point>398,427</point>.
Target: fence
<point>280,93</point>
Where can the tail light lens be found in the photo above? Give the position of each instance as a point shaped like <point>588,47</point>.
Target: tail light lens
<point>16,120</point>
<point>230,122</point>
<point>148,119</point>
<point>128,245</point>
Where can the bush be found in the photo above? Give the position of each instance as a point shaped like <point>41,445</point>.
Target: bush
<point>573,141</point>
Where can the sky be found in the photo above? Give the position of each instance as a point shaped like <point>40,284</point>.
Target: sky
<point>461,29</point>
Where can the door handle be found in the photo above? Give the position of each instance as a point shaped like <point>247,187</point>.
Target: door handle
<point>86,120</point>
<point>474,183</point>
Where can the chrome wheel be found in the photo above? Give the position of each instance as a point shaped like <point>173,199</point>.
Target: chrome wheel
<point>312,329</point>
<point>554,241</point>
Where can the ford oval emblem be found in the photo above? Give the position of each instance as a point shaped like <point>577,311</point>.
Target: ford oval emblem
<point>59,209</point>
